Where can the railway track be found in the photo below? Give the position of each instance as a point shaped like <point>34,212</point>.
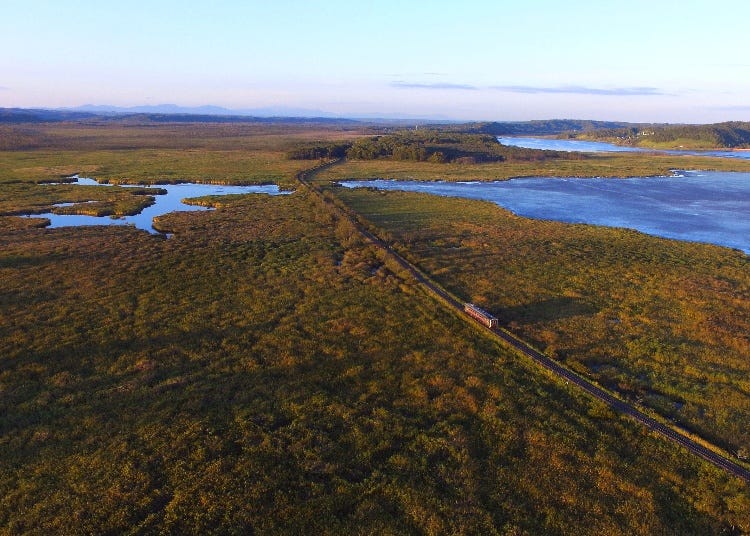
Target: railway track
<point>616,404</point>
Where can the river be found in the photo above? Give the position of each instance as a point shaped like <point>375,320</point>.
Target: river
<point>585,146</point>
<point>697,206</point>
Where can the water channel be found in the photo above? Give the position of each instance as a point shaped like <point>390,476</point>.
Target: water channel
<point>172,201</point>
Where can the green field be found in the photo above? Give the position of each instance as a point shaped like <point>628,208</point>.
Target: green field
<point>265,370</point>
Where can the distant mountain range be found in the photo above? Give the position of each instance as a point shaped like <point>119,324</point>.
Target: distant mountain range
<point>718,135</point>
<point>268,111</point>
<point>277,111</point>
<point>173,113</point>
<point>176,113</point>
<point>155,114</point>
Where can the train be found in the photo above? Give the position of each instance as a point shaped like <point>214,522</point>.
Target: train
<point>481,315</point>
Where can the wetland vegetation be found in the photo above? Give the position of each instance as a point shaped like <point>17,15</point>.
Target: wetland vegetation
<point>662,322</point>
<point>698,206</point>
<point>268,371</point>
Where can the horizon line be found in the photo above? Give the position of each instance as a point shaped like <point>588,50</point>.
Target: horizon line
<point>270,112</point>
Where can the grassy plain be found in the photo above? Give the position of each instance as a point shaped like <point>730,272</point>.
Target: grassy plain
<point>142,154</point>
<point>604,165</point>
<point>265,371</point>
<point>662,322</point>
<point>148,154</point>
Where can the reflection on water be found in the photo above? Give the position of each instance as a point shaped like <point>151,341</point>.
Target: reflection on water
<point>711,207</point>
<point>584,146</point>
<point>169,202</point>
<point>551,144</point>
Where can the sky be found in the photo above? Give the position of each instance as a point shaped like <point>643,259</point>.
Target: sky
<point>681,61</point>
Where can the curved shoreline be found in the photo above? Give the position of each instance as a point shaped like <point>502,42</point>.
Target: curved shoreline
<point>167,198</point>
<point>698,207</point>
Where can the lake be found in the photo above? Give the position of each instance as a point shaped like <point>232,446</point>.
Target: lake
<point>551,144</point>
<point>169,202</point>
<point>585,146</point>
<point>710,207</point>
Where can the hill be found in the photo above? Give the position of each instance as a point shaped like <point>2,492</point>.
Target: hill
<point>31,115</point>
<point>729,135</point>
<point>543,127</point>
<point>440,146</point>
<point>156,114</point>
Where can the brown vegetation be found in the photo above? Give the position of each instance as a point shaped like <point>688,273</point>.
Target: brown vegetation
<point>265,371</point>
<point>664,323</point>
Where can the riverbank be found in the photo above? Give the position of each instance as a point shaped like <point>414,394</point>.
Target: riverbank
<point>175,197</point>
<point>708,207</point>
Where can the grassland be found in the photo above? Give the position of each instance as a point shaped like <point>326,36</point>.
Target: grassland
<point>605,165</point>
<point>265,371</point>
<point>664,323</point>
<point>135,154</point>
<point>141,154</point>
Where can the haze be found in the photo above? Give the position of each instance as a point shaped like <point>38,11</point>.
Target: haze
<point>655,61</point>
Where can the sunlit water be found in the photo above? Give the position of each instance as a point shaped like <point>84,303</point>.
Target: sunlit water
<point>710,207</point>
<point>584,146</point>
<point>551,144</point>
<point>169,202</point>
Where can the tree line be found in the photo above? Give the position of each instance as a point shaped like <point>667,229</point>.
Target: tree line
<point>732,134</point>
<point>436,146</point>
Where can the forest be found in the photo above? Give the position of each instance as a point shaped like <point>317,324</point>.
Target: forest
<point>729,135</point>
<point>438,146</point>
<point>542,127</point>
<point>264,369</point>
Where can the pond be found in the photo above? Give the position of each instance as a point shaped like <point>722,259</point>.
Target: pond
<point>585,146</point>
<point>710,207</point>
<point>169,202</point>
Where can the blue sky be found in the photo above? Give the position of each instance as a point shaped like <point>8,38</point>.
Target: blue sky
<point>665,61</point>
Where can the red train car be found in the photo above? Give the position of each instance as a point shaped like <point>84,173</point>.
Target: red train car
<point>481,315</point>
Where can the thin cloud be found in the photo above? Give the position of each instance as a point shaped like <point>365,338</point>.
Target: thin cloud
<point>583,90</point>
<point>558,90</point>
<point>4,88</point>
<point>738,108</point>
<point>416,74</point>
<point>436,85</point>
